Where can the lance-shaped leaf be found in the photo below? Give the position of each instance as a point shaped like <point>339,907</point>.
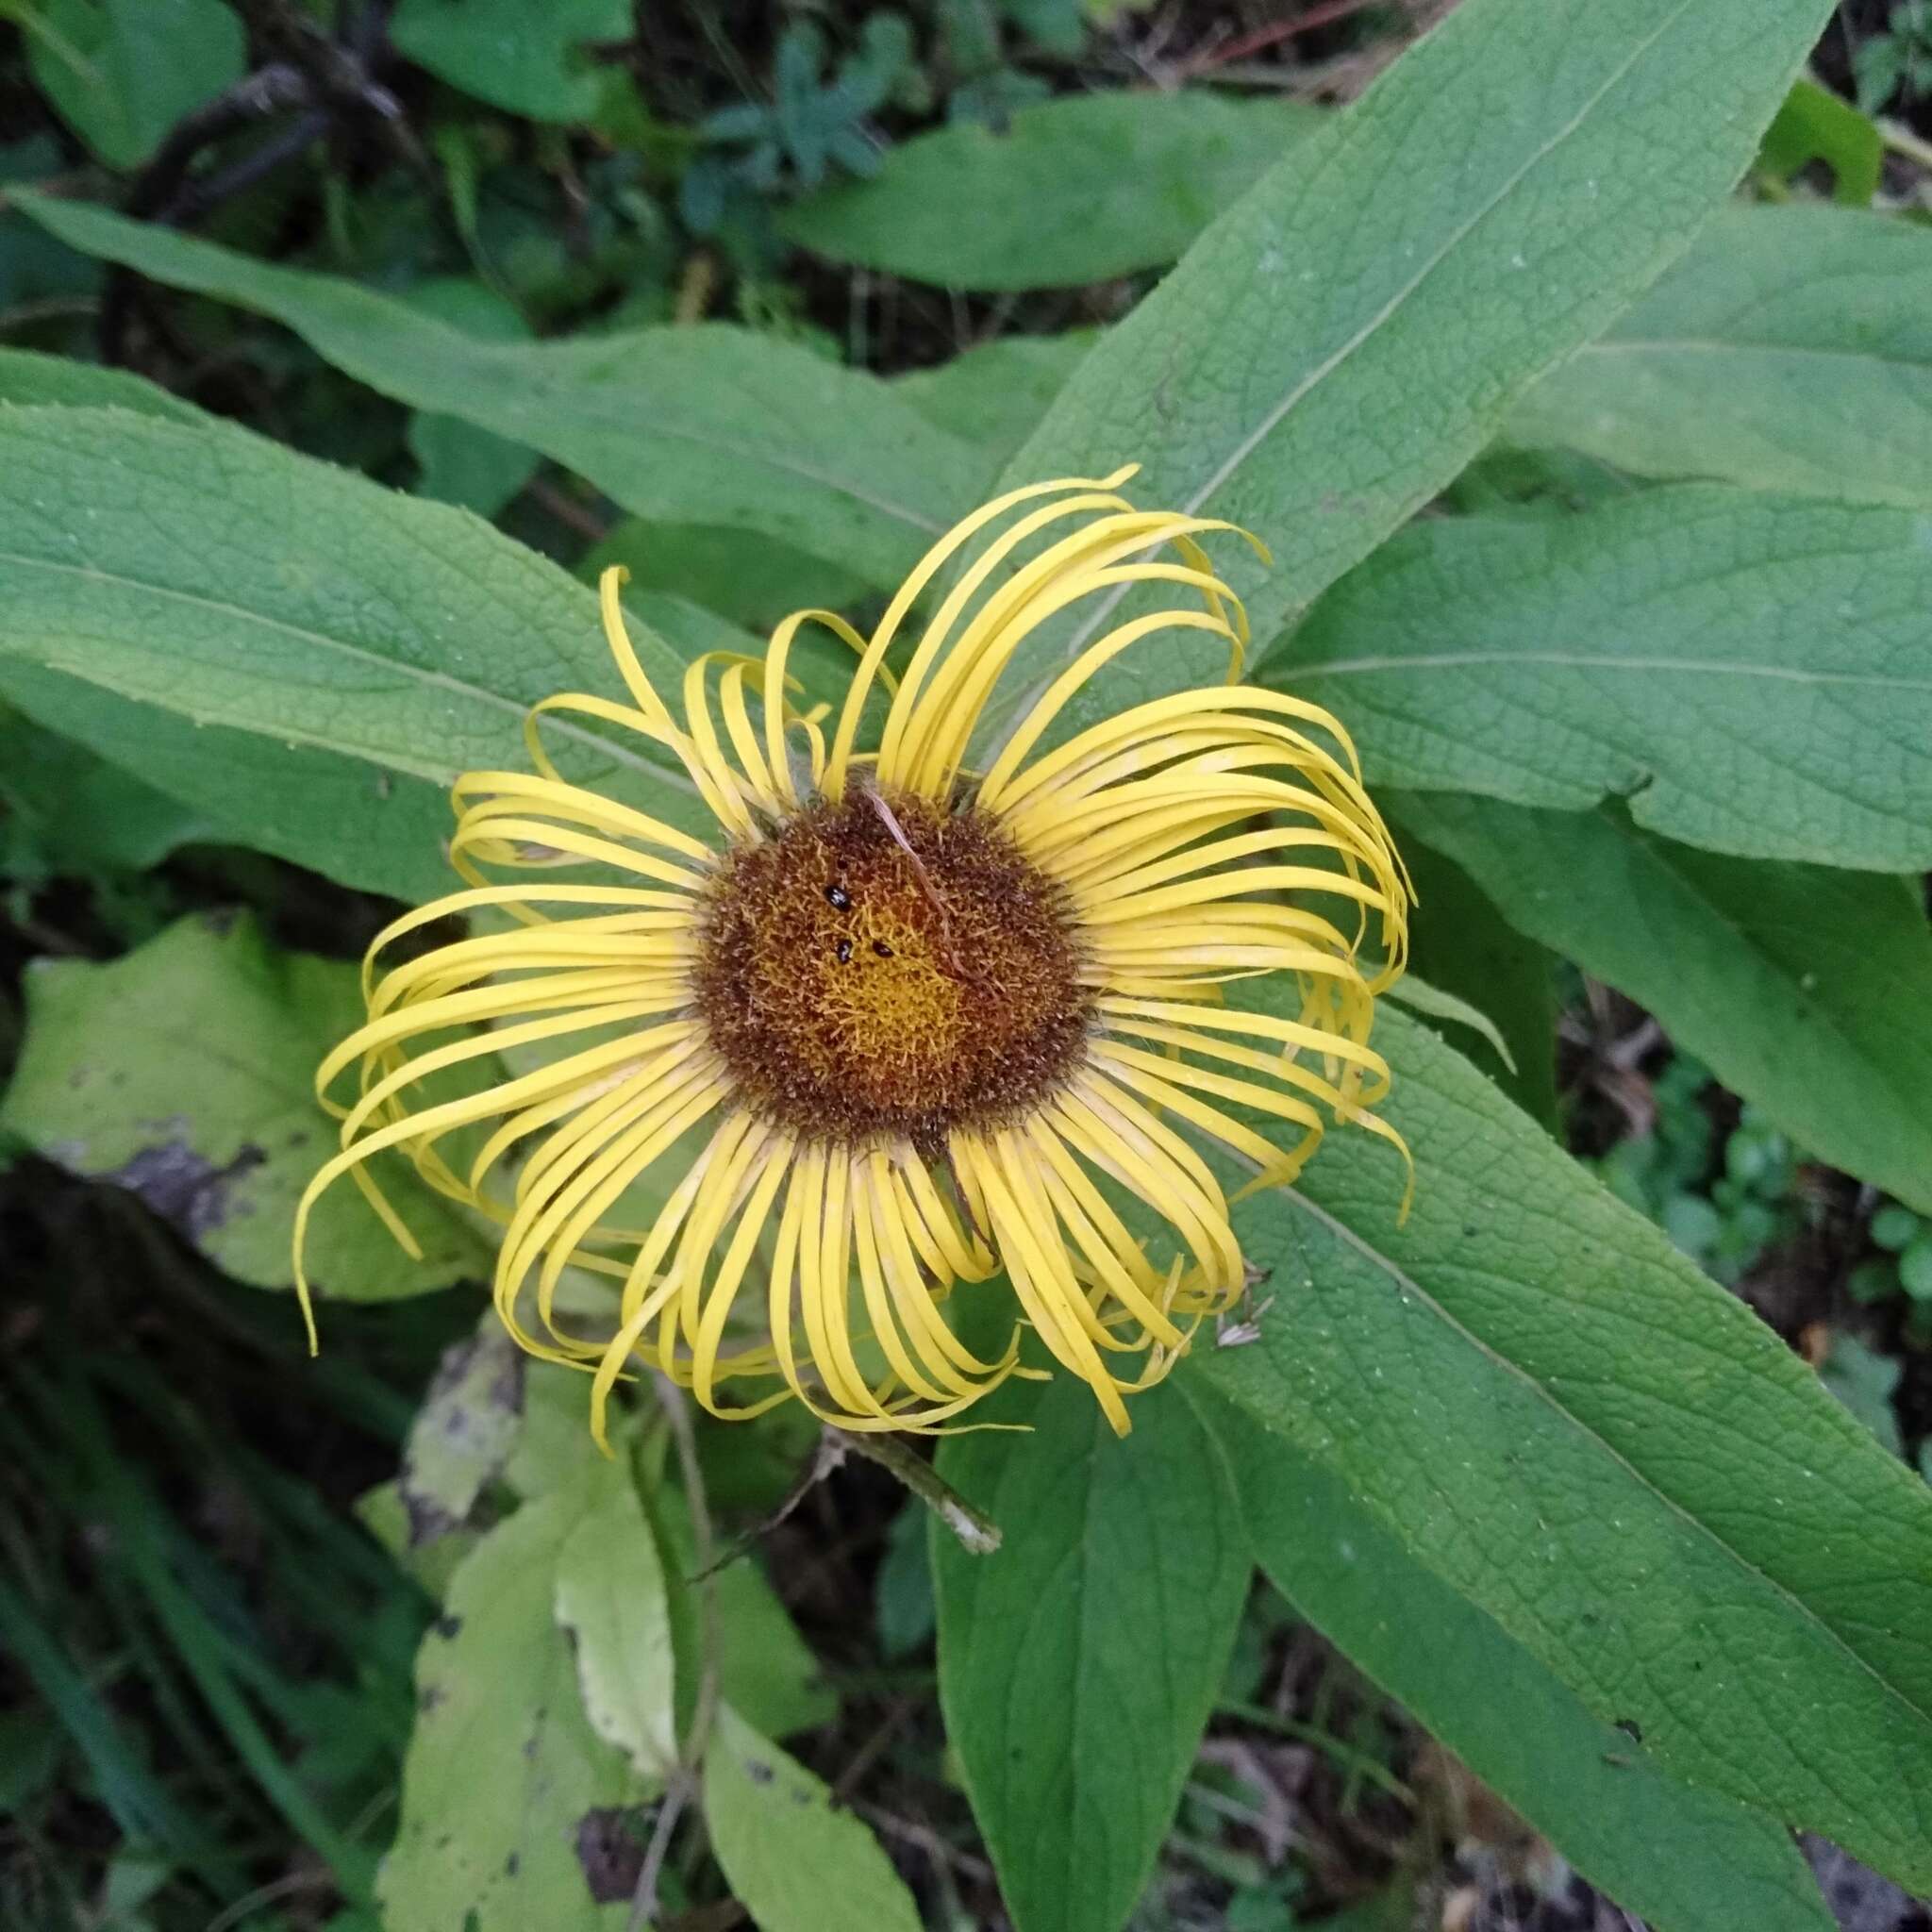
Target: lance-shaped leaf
<point>1686,1859</point>
<point>1345,339</point>
<point>1755,672</point>
<point>1611,1457</point>
<point>1804,989</point>
<point>1074,190</point>
<point>1790,349</point>
<point>710,423</point>
<point>306,657</point>
<point>1079,1661</point>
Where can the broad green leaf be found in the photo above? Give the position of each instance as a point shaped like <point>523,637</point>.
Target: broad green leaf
<point>795,1862</point>
<point>122,72</point>
<point>27,377</point>
<point>1803,989</point>
<point>252,601</point>
<point>1340,342</point>
<point>381,1512</point>
<point>184,1074</point>
<point>504,1772</point>
<point>524,55</point>
<point>457,462</point>
<point>1792,349</point>
<point>1076,189</point>
<point>1079,1662</point>
<point>463,1433</point>
<point>750,579</point>
<point>1599,1449</point>
<point>765,1668</point>
<point>69,811</point>
<point>1460,942</point>
<point>1815,124</point>
<point>994,395</point>
<point>708,423</point>
<point>1683,1860</point>
<point>352,820</point>
<point>1752,673</point>
<point>610,1601</point>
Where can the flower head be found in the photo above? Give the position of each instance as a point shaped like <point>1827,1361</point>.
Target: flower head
<point>900,1025</point>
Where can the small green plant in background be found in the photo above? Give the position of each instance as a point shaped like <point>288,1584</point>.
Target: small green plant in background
<point>1894,67</point>
<point>1902,1266</point>
<point>1724,1221</point>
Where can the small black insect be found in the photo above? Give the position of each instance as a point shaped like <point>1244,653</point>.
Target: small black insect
<point>840,899</point>
<point>880,947</point>
<point>844,952</point>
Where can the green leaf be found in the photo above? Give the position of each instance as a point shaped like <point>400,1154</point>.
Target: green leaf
<point>766,1670</point>
<point>1602,1451</point>
<point>1343,340</point>
<point>69,811</point>
<point>1460,942</point>
<point>463,1433</point>
<point>750,579</point>
<point>1079,1662</point>
<point>1815,124</point>
<point>610,1602</point>
<point>251,601</point>
<point>793,1861</point>
<point>1791,350</point>
<point>1076,189</point>
<point>1683,1860</point>
<point>504,1771</point>
<point>708,423</point>
<point>1893,1227</point>
<point>457,462</point>
<point>523,55</point>
<point>347,819</point>
<point>183,1073</point>
<point>992,396</point>
<point>1753,673</point>
<point>1801,987</point>
<point>123,71</point>
<point>27,377</point>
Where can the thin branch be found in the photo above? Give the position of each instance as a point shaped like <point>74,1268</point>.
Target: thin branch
<point>1277,31</point>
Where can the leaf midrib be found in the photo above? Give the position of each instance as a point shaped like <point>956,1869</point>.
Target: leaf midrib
<point>1584,660</point>
<point>1401,1277</point>
<point>1744,345</point>
<point>1322,370</point>
<point>342,648</point>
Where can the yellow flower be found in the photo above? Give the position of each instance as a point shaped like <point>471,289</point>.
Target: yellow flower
<point>901,1024</point>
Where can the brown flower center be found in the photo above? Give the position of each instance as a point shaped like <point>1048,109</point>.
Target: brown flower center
<point>882,968</point>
